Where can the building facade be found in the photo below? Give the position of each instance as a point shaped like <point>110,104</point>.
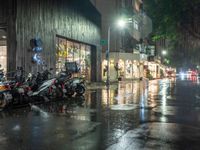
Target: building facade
<point>69,30</point>
<point>126,60</point>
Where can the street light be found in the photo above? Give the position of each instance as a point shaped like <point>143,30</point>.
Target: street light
<point>120,23</point>
<point>164,52</point>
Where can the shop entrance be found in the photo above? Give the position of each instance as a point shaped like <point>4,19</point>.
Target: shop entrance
<point>73,51</point>
<point>3,50</point>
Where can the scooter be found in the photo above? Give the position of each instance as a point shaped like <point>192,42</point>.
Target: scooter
<point>75,85</point>
<point>53,88</point>
<point>44,90</point>
<point>5,94</point>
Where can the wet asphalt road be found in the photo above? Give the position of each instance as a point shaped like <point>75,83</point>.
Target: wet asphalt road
<point>157,114</point>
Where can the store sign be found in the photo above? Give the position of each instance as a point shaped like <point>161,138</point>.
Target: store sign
<point>144,49</point>
<point>137,48</point>
<point>141,48</point>
<point>103,42</point>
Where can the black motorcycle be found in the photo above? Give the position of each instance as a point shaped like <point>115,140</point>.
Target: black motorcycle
<point>2,77</point>
<point>5,94</point>
<point>75,86</point>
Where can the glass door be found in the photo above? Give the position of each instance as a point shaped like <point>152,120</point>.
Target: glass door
<point>72,51</point>
<point>3,50</point>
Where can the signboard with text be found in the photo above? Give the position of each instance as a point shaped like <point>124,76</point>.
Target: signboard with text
<point>146,49</point>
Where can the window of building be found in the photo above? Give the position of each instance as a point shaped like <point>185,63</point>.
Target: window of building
<point>129,69</point>
<point>3,50</point>
<point>71,51</point>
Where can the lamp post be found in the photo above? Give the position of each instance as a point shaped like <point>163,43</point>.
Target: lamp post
<point>120,23</point>
<point>164,53</point>
<point>108,59</point>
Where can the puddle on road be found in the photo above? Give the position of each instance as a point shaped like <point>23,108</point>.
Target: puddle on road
<point>123,107</point>
<point>120,108</point>
<point>166,110</point>
<point>153,136</point>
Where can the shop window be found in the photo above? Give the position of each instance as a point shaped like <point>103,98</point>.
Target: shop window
<point>129,69</point>
<point>121,68</point>
<point>3,57</point>
<point>104,69</point>
<point>3,50</point>
<point>70,51</point>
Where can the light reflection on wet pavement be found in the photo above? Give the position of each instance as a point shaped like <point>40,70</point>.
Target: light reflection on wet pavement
<point>157,114</point>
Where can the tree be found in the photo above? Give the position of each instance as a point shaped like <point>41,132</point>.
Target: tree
<point>178,21</point>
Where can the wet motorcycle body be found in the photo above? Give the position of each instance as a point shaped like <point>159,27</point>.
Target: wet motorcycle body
<point>75,85</point>
<point>20,92</point>
<point>52,88</point>
<point>5,95</point>
<point>45,88</point>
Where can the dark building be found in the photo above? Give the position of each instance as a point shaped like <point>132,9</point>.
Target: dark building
<point>70,30</point>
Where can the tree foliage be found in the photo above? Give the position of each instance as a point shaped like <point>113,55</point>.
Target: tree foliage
<point>179,21</point>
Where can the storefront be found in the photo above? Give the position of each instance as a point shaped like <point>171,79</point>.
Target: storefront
<point>73,51</point>
<point>122,66</point>
<point>3,50</point>
<point>129,69</point>
<point>68,33</point>
<point>153,68</point>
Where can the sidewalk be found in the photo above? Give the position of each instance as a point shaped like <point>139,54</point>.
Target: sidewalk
<point>102,84</point>
<point>99,85</point>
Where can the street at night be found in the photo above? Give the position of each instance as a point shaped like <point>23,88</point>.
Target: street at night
<point>157,114</point>
<point>99,75</point>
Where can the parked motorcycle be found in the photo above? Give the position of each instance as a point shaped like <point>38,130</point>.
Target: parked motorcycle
<point>2,76</point>
<point>20,92</point>
<point>62,78</point>
<point>22,89</point>
<point>75,86</point>
<point>19,87</point>
<point>53,88</point>
<point>5,94</point>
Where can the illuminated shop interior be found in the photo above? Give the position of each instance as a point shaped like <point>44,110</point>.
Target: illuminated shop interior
<point>72,51</point>
<point>3,50</point>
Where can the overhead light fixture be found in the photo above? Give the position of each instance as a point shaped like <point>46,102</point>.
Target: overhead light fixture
<point>121,23</point>
<point>3,37</point>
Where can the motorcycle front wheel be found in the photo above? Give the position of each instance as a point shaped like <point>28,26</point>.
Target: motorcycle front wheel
<point>57,93</point>
<point>80,90</point>
<point>70,92</point>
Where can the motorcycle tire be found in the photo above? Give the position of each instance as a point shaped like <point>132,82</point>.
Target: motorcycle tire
<point>80,90</point>
<point>3,102</point>
<point>70,92</point>
<point>57,93</point>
